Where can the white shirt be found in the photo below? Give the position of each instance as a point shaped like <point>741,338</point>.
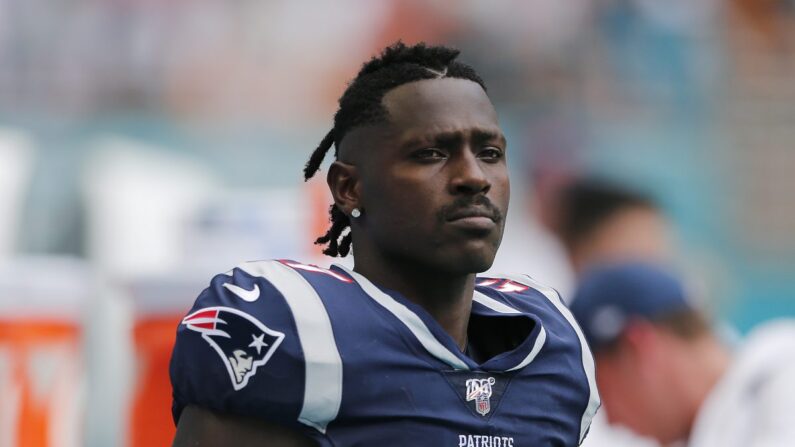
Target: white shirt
<point>753,404</point>
<point>602,434</point>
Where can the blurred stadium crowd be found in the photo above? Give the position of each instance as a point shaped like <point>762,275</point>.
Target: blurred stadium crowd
<point>146,145</point>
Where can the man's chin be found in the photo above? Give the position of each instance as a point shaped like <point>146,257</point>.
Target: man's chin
<point>471,259</point>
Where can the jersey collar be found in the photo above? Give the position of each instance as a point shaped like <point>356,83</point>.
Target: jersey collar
<point>439,344</point>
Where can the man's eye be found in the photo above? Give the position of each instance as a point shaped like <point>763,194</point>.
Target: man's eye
<point>490,153</point>
<point>429,154</point>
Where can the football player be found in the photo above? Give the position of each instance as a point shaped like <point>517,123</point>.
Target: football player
<point>409,347</point>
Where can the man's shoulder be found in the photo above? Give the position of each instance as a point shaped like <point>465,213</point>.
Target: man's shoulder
<point>507,293</point>
<point>520,290</point>
<point>260,284</point>
<point>258,341</point>
<point>560,335</point>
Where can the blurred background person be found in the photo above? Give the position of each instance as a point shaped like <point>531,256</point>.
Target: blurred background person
<point>601,221</point>
<point>580,220</point>
<point>665,373</point>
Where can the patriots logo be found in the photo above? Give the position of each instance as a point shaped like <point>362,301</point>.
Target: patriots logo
<point>242,341</point>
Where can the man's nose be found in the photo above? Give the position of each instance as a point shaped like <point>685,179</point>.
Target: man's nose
<point>468,175</point>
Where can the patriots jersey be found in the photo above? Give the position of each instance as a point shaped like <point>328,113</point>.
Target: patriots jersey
<point>329,353</point>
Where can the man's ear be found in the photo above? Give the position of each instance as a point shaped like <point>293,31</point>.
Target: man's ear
<point>345,186</point>
<point>638,336</point>
<point>645,345</point>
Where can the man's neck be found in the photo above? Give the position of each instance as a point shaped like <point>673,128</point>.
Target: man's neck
<point>447,298</point>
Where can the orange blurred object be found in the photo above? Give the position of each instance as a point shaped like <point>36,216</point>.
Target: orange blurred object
<point>151,408</point>
<point>37,406</point>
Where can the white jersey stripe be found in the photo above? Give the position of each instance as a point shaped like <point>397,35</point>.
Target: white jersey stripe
<point>497,306</point>
<point>493,304</point>
<point>540,340</point>
<point>587,358</point>
<point>411,320</point>
<point>323,387</point>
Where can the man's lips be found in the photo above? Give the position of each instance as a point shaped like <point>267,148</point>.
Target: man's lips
<point>475,219</point>
<point>475,212</point>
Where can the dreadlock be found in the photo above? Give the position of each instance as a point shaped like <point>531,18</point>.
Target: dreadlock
<point>360,105</point>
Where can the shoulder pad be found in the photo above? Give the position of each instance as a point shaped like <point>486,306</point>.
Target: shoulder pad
<point>258,342</point>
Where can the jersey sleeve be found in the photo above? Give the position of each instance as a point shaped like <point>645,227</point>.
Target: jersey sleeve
<point>239,350</point>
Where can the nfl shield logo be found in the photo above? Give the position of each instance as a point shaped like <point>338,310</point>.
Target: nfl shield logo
<point>479,390</point>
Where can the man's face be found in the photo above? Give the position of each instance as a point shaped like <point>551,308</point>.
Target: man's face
<point>435,183</point>
<point>638,386</point>
<point>623,395</point>
<point>634,233</point>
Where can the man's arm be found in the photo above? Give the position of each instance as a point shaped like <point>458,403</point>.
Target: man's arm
<point>199,427</point>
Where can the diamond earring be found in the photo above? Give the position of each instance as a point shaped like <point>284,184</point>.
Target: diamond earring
<point>355,213</point>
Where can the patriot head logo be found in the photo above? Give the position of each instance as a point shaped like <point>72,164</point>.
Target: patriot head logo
<point>242,341</point>
<point>479,390</point>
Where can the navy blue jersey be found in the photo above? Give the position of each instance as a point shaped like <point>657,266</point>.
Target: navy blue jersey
<point>348,363</point>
